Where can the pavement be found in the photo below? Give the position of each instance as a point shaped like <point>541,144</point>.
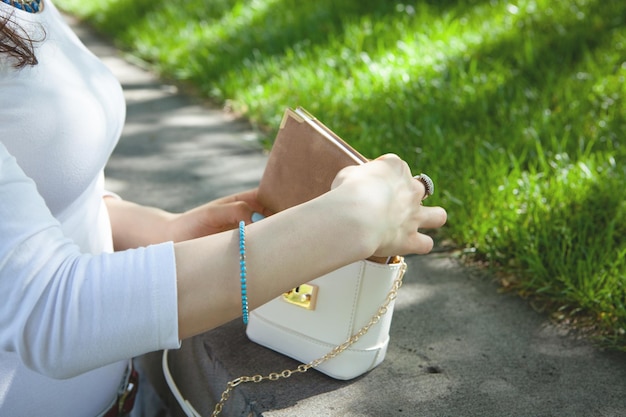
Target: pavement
<point>459,347</point>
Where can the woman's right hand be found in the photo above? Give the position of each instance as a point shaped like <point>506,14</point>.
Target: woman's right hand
<point>372,209</point>
<point>391,199</point>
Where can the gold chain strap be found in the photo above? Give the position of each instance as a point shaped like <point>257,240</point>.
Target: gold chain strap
<point>275,376</point>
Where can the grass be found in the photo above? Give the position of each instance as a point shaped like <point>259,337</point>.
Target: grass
<point>515,109</point>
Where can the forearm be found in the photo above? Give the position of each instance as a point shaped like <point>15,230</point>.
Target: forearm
<point>133,225</point>
<point>282,252</point>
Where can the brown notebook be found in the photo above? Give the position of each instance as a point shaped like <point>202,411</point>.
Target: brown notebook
<point>304,160</point>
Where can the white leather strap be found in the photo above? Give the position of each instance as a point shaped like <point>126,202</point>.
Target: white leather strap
<point>184,404</point>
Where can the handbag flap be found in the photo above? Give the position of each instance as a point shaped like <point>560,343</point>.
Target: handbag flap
<point>346,300</point>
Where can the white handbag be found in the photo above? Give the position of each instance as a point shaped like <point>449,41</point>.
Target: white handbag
<point>329,313</point>
<point>338,324</point>
<point>311,320</point>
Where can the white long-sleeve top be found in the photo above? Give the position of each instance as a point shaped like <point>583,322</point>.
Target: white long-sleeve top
<point>71,310</point>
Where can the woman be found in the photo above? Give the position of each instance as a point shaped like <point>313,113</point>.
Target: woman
<point>89,280</point>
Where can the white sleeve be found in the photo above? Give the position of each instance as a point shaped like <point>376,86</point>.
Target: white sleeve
<point>65,312</point>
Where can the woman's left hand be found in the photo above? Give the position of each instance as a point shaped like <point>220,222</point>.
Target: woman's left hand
<point>134,225</point>
<point>216,216</point>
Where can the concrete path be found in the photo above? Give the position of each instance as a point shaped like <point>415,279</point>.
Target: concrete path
<point>458,347</point>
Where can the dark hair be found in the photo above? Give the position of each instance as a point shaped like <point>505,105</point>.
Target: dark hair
<point>16,44</point>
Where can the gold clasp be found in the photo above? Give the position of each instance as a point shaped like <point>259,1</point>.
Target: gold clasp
<point>304,296</point>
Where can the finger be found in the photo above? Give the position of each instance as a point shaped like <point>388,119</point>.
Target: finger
<point>420,189</point>
<point>416,243</point>
<point>243,211</point>
<point>427,183</point>
<point>217,218</point>
<point>246,196</point>
<point>343,174</point>
<point>388,156</point>
<point>396,162</point>
<point>423,244</point>
<point>250,197</point>
<point>235,212</point>
<point>432,217</point>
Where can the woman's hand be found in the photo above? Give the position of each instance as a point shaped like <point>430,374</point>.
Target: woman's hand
<point>216,216</point>
<point>392,202</point>
<point>372,209</point>
<point>134,225</point>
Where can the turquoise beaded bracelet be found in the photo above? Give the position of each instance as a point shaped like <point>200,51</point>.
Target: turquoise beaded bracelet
<point>243,272</point>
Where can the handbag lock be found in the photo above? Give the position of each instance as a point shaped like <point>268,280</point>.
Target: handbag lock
<point>304,296</point>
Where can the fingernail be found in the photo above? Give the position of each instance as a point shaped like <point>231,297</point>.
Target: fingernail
<point>257,216</point>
